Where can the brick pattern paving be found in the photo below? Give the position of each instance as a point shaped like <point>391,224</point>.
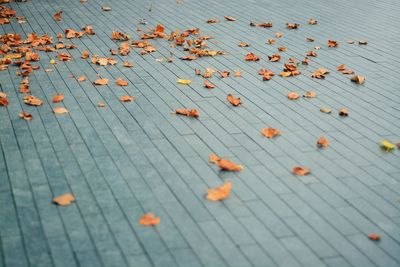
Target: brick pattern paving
<point>130,158</point>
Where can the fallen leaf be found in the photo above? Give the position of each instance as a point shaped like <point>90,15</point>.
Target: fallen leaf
<point>60,110</point>
<point>309,39</point>
<point>320,73</point>
<point>234,101</point>
<point>188,112</point>
<point>312,22</point>
<point>32,100</point>
<point>388,146</point>
<point>274,58</point>
<point>64,57</point>
<point>293,96</point>
<point>229,18</point>
<point>251,57</point>
<point>343,112</point>
<point>301,171</point>
<point>332,43</point>
<point>85,54</point>
<point>292,26</point>
<point>3,99</point>
<point>213,158</point>
<point>212,21</point>
<point>271,41</point>
<point>208,85</point>
<point>325,110</point>
<point>237,73</point>
<point>121,82</point>
<point>267,74</point>
<point>81,78</point>
<point>358,79</point>
<point>126,98</point>
<point>101,104</point>
<point>185,82</point>
<point>224,74</point>
<point>106,8</point>
<point>310,94</point>
<point>25,115</point>
<point>374,237</point>
<point>281,49</point>
<point>127,64</point>
<point>362,42</point>
<point>270,132</point>
<point>219,193</point>
<point>312,53</point>
<point>149,219</point>
<point>244,44</point>
<point>57,98</point>
<point>350,41</point>
<point>278,35</point>
<point>57,16</point>
<point>89,30</point>
<point>103,81</point>
<point>322,142</point>
<point>64,199</point>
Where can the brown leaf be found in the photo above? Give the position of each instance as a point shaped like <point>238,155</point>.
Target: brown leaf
<point>57,16</point>
<point>292,26</point>
<point>3,99</point>
<point>320,73</point>
<point>271,41</point>
<point>89,30</point>
<point>101,81</point>
<point>322,142</point>
<point>212,21</point>
<point>127,64</point>
<point>358,79</point>
<point>274,58</point>
<point>281,49</point>
<point>208,85</point>
<point>278,35</point>
<point>188,112</point>
<point>312,53</point>
<point>234,101</point>
<point>301,171</point>
<point>374,237</point>
<point>121,82</point>
<point>309,39</point>
<point>312,22</point>
<point>219,193</point>
<point>332,43</point>
<point>310,94</point>
<point>64,199</point>
<point>149,219</point>
<point>25,115</point>
<point>60,110</point>
<point>101,104</point>
<point>58,98</point>
<point>229,18</point>
<point>64,57</point>
<point>244,44</point>
<point>85,54</point>
<point>270,132</point>
<point>362,42</point>
<point>126,98</point>
<point>343,112</point>
<point>251,57</point>
<point>224,74</point>
<point>293,96</point>
<point>237,73</point>
<point>32,100</point>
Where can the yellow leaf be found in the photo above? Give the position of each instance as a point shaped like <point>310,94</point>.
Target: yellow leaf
<point>387,145</point>
<point>182,81</point>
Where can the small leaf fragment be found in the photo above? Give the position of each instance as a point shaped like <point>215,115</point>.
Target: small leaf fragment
<point>325,110</point>
<point>322,142</point>
<point>358,79</point>
<point>270,132</point>
<point>301,171</point>
<point>149,219</point>
<point>103,81</point>
<point>126,98</point>
<point>25,115</point>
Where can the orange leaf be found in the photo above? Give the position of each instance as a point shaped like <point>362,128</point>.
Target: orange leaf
<point>64,200</point>
<point>374,237</point>
<point>274,58</point>
<point>101,81</point>
<point>159,28</point>
<point>3,100</point>
<point>278,35</point>
<point>237,73</point>
<point>219,193</point>
<point>149,219</point>
<point>312,22</point>
<point>126,98</point>
<point>214,158</point>
<point>320,73</point>
<point>244,44</point>
<point>292,26</point>
<point>302,171</point>
<point>293,96</point>
<point>57,16</point>
<point>25,115</point>
<point>224,74</point>
<point>310,94</point>
<point>121,82</point>
<point>322,142</point>
<point>58,98</point>
<point>32,100</point>
<point>60,110</point>
<point>343,112</point>
<point>127,64</point>
<point>81,78</point>
<point>332,43</point>
<point>85,54</point>
<point>208,85</point>
<point>188,112</point>
<point>270,132</point>
<point>251,57</point>
<point>234,101</point>
<point>358,79</point>
<point>227,165</point>
<point>101,104</point>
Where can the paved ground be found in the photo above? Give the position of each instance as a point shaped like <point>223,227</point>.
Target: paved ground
<point>130,158</point>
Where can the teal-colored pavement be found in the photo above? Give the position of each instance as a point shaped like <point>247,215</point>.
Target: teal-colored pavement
<point>127,159</point>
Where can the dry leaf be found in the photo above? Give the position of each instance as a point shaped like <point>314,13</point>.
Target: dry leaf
<point>185,82</point>
<point>126,98</point>
<point>149,219</point>
<point>312,22</point>
<point>127,64</point>
<point>101,81</point>
<point>58,98</point>
<point>212,21</point>
<point>188,112</point>
<point>322,142</point>
<point>358,79</point>
<point>57,16</point>
<point>25,115</point>
<point>278,35</point>
<point>224,74</point>
<point>343,112</point>
<point>237,73</point>
<point>32,100</point>
<point>312,53</point>
<point>350,41</point>
<point>320,73</point>
<point>310,94</point>
<point>281,49</point>
<point>101,104</point>
<point>332,43</point>
<point>274,58</point>
<point>121,82</point>
<point>271,41</point>
<point>267,74</point>
<point>362,42</point>
<point>225,164</point>
<point>64,200</point>
<point>229,18</point>
<point>270,132</point>
<point>374,237</point>
<point>292,26</point>
<point>219,193</point>
<point>386,145</point>
<point>244,44</point>
<point>234,101</point>
<point>85,54</point>
<point>208,85</point>
<point>325,110</point>
<point>81,78</point>
<point>3,99</point>
<point>60,110</point>
<point>251,57</point>
<point>309,39</point>
<point>301,171</point>
<point>293,96</point>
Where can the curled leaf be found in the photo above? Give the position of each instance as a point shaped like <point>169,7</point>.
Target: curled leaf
<point>244,44</point>
<point>208,85</point>
<point>25,115</point>
<point>251,57</point>
<point>60,110</point>
<point>343,112</point>
<point>126,98</point>
<point>293,96</point>
<point>322,142</point>
<point>270,132</point>
<point>64,199</point>
<point>332,43</point>
<point>103,81</point>
<point>3,99</point>
<point>301,171</point>
<point>149,219</point>
<point>320,73</point>
<point>121,82</point>
<point>57,16</point>
<point>57,98</point>
<point>388,146</point>
<point>225,164</point>
<point>374,237</point>
<point>310,94</point>
<point>81,78</point>
<point>219,193</point>
<point>234,101</point>
<point>185,82</point>
<point>325,110</point>
<point>312,22</point>
<point>229,18</point>
<point>32,100</point>
<point>188,112</point>
<point>358,79</point>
